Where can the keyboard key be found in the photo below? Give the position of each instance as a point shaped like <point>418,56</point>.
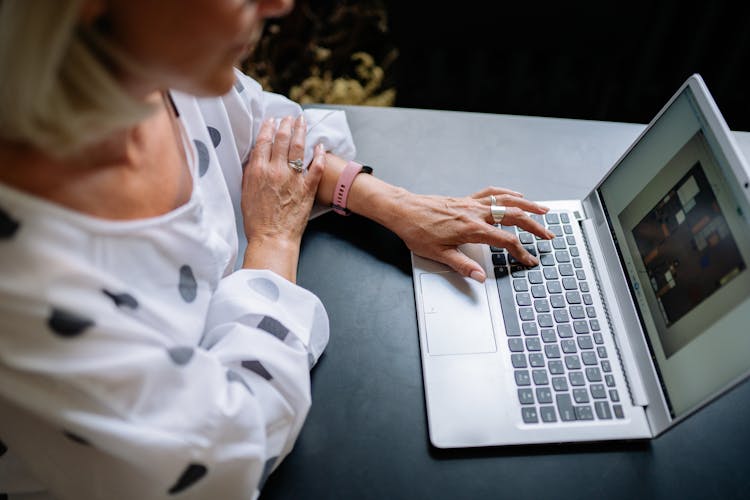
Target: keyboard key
<point>568,346</point>
<point>530,248</point>
<point>526,313</point>
<point>544,395</point>
<point>585,342</point>
<point>538,291</point>
<point>529,415</point>
<point>533,344</point>
<point>560,384</point>
<point>552,218</point>
<point>555,367</point>
<point>565,270</point>
<point>588,300</point>
<point>536,360</point>
<point>574,251</point>
<point>606,367</point>
<point>564,331</point>
<point>529,328</point>
<point>564,218</point>
<point>552,351</point>
<point>567,229</point>
<point>569,283</point>
<point>610,380</point>
<point>526,396</point>
<point>573,362</point>
<point>577,312</point>
<point>523,299</point>
<point>581,326</point>
<point>522,377</point>
<point>546,259</point>
<point>535,277</point>
<point>538,218</point>
<point>590,310</point>
<point>526,238</point>
<point>540,377</point>
<point>579,395</point>
<point>572,297</point>
<point>598,391</point>
<point>602,410</point>
<point>550,273</point>
<point>544,246</point>
<point>565,407</point>
<point>580,274</point>
<point>541,305</point>
<point>554,287</point>
<point>584,413</point>
<point>614,396</point>
<point>515,344</point>
<point>548,413</point>
<point>618,411</point>
<point>583,286</point>
<point>561,316</point>
<point>499,259</point>
<point>593,374</point>
<point>576,378</point>
<point>544,320</point>
<point>571,240</point>
<point>548,335</point>
<point>595,325</point>
<point>562,256</point>
<point>588,358</point>
<point>556,230</point>
<point>557,300</point>
<point>601,350</point>
<point>559,244</point>
<point>577,262</point>
<point>518,271</point>
<point>598,339</point>
<point>518,360</point>
<point>521,285</point>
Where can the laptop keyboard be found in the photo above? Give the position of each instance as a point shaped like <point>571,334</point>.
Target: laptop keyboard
<point>562,369</point>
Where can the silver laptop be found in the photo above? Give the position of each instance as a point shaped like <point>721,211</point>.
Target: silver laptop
<point>636,316</point>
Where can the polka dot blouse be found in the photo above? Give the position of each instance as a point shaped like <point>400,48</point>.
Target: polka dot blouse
<point>136,360</point>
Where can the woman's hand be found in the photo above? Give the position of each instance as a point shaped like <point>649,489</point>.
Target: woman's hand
<point>277,199</point>
<point>434,226</point>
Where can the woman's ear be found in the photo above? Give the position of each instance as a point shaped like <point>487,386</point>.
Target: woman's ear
<point>90,11</point>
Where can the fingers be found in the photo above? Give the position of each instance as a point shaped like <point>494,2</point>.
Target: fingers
<point>297,144</point>
<point>514,216</point>
<point>317,167</point>
<point>486,192</point>
<point>460,263</point>
<point>509,241</point>
<point>282,140</point>
<point>261,152</point>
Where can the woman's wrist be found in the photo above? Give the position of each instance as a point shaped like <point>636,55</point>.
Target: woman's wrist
<point>275,253</point>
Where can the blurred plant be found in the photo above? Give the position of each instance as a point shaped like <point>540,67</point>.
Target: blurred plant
<point>334,52</point>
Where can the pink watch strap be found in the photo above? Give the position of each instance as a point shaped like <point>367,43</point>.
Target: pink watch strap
<point>344,184</point>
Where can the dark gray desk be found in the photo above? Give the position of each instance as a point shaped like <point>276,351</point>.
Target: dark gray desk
<point>366,435</point>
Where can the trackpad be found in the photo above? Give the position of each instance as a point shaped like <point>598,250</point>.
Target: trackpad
<point>456,314</point>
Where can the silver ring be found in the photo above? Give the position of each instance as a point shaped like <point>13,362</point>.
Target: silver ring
<point>498,213</point>
<point>493,200</point>
<point>296,165</point>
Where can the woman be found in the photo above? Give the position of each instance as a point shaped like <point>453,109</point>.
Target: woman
<point>140,356</point>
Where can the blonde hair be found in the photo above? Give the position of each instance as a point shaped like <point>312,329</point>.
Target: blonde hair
<point>57,92</point>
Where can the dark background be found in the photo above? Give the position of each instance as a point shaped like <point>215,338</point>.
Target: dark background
<point>599,60</point>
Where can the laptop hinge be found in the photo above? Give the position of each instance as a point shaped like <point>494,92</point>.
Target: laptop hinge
<point>616,324</point>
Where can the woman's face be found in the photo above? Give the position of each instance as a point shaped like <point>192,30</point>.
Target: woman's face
<point>188,45</point>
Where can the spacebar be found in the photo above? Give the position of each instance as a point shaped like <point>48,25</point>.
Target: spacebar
<point>507,302</point>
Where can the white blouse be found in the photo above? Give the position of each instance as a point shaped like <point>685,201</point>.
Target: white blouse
<point>136,360</point>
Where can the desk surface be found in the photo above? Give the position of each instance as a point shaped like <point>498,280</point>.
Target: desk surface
<point>366,435</point>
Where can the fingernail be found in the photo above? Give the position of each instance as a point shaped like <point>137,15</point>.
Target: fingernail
<point>301,119</point>
<point>320,149</point>
<point>477,276</point>
<point>550,235</point>
<point>533,261</point>
<point>270,120</point>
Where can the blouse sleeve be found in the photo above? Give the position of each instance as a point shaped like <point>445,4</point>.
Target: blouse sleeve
<point>100,404</point>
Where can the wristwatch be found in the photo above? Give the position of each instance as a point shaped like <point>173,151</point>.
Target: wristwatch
<point>344,184</point>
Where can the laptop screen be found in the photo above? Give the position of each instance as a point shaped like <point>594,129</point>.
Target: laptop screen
<point>679,219</point>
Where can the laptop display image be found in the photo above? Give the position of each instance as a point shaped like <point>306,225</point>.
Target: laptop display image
<point>635,316</point>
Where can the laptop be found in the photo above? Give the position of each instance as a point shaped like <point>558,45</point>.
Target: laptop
<point>635,317</point>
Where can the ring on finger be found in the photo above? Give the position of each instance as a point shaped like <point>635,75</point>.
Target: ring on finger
<point>498,213</point>
<point>297,165</point>
<point>493,200</point>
